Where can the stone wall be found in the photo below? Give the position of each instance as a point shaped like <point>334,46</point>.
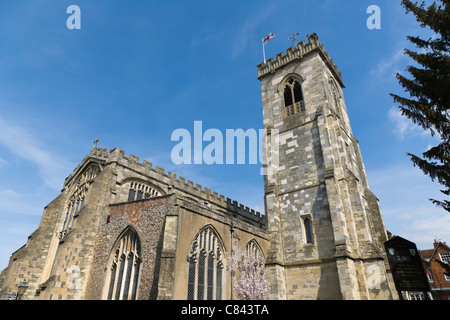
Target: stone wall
<point>27,263</point>
<point>61,264</point>
<point>192,218</point>
<point>319,176</point>
<point>147,217</point>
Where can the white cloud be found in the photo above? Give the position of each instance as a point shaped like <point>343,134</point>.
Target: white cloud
<point>247,30</point>
<point>25,144</point>
<point>420,224</point>
<point>403,192</point>
<point>31,202</point>
<point>389,65</point>
<point>403,126</point>
<point>9,193</point>
<point>3,162</point>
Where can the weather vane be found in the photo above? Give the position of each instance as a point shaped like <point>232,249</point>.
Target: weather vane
<point>294,39</point>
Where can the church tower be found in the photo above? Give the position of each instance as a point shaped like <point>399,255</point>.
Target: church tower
<point>325,225</point>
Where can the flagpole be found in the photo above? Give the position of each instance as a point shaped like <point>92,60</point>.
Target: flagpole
<point>264,51</point>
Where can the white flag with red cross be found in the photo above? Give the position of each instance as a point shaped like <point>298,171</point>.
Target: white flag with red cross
<point>264,41</point>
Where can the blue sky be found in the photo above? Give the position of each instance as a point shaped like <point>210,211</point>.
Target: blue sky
<point>138,70</point>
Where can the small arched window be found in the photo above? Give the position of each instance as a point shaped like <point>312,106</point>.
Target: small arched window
<point>124,267</point>
<point>206,264</point>
<point>293,97</point>
<point>308,230</point>
<point>336,97</point>
<point>253,248</point>
<point>140,191</point>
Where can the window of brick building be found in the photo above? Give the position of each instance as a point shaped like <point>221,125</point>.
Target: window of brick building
<point>445,257</point>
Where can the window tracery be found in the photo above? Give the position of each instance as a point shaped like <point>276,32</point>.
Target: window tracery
<point>206,264</point>
<point>253,248</point>
<point>124,268</point>
<point>77,199</point>
<point>140,191</point>
<point>293,97</point>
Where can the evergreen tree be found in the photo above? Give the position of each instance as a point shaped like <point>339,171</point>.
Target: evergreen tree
<point>429,90</point>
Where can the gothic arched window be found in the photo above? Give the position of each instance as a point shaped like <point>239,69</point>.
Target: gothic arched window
<point>78,197</point>
<point>293,97</point>
<point>253,248</point>
<point>124,267</point>
<point>206,276</point>
<point>75,204</point>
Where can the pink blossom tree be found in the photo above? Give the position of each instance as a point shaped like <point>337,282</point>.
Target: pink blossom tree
<point>249,276</point>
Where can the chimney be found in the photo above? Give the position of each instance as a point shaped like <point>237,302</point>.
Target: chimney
<point>435,244</point>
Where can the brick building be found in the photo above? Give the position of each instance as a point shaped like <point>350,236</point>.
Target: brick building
<point>438,275</point>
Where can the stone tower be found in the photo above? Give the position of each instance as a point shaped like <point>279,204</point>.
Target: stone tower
<point>325,225</point>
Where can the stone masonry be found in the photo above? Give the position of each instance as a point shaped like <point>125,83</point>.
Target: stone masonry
<point>124,229</point>
<point>318,178</point>
<point>72,264</point>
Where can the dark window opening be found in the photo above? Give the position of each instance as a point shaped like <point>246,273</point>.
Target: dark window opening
<point>288,97</point>
<point>308,231</point>
<point>293,98</point>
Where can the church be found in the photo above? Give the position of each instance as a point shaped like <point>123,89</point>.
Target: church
<point>125,229</point>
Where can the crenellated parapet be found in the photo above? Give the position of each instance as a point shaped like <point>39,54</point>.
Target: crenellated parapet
<point>299,53</point>
<point>173,184</point>
<point>99,153</point>
<point>207,196</point>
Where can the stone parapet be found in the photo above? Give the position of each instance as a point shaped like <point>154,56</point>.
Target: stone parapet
<point>298,53</point>
<point>174,183</point>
